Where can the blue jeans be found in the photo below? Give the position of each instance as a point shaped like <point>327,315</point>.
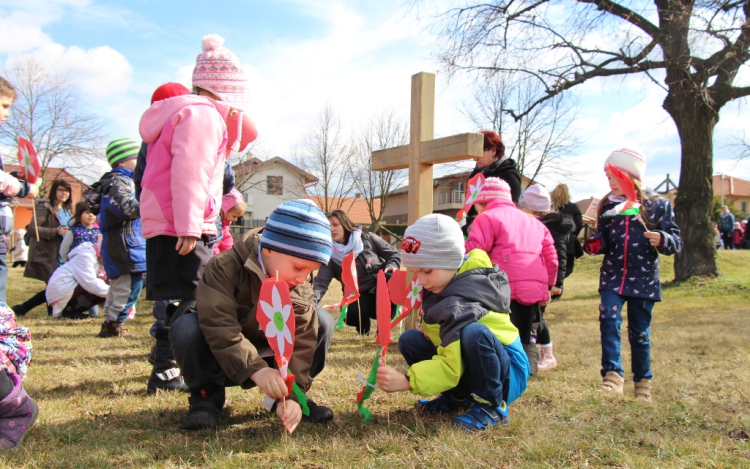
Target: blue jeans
<point>486,363</point>
<point>639,322</point>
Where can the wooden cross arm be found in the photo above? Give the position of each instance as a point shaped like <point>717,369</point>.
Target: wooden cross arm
<point>440,150</point>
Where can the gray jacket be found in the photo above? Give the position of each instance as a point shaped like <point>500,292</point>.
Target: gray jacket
<point>376,255</point>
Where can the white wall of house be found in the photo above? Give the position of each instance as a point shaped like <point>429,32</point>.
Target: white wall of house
<point>260,196</point>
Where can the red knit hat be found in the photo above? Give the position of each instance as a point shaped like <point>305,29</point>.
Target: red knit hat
<point>493,188</point>
<point>168,90</point>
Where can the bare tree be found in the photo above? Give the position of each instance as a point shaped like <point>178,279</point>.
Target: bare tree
<point>692,49</point>
<point>48,112</point>
<point>384,130</point>
<point>540,140</point>
<point>327,156</point>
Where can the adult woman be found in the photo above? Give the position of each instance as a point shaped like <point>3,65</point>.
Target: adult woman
<point>561,202</point>
<point>52,217</point>
<point>495,163</point>
<point>372,253</point>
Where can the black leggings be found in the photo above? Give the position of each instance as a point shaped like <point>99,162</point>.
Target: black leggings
<point>367,302</point>
<point>523,317</point>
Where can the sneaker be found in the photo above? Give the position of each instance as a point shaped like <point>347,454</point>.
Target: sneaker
<point>18,412</point>
<point>115,329</point>
<point>643,390</point>
<point>318,413</point>
<point>205,409</point>
<point>443,404</point>
<point>481,417</point>
<point>547,359</point>
<point>612,382</point>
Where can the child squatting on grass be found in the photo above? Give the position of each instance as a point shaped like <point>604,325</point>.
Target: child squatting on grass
<point>220,343</point>
<point>467,351</point>
<point>631,244</point>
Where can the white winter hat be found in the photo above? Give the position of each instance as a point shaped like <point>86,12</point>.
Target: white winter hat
<point>434,241</point>
<point>535,198</point>
<point>629,160</point>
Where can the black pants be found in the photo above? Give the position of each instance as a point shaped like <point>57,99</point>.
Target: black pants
<point>523,316</point>
<point>367,304</point>
<point>170,275</point>
<point>21,263</point>
<point>199,367</point>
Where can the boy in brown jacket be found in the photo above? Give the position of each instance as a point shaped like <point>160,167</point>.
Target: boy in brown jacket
<point>221,343</point>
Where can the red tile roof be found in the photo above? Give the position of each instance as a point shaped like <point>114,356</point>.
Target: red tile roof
<point>733,187</point>
<point>354,207</point>
<point>588,207</point>
<point>50,174</point>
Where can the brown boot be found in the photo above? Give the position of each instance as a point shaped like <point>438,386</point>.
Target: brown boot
<point>612,382</point>
<point>115,329</point>
<point>643,390</point>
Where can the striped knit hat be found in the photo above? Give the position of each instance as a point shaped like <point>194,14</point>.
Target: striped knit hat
<point>299,228</point>
<point>122,149</point>
<point>493,188</point>
<point>434,241</point>
<point>218,70</point>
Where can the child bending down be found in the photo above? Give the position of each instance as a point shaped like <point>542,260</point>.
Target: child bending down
<point>631,244</point>
<point>75,286</point>
<point>468,351</point>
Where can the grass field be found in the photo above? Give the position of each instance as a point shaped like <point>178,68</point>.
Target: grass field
<point>94,411</point>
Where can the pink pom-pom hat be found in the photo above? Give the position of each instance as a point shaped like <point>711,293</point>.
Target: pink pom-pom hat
<point>218,70</point>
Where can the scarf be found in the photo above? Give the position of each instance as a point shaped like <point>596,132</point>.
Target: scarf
<point>341,250</point>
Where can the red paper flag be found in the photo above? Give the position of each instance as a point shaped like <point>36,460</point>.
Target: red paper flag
<point>27,158</point>
<point>625,183</point>
<point>383,312</point>
<point>349,278</point>
<point>472,191</point>
<point>412,300</point>
<point>397,287</point>
<point>276,318</point>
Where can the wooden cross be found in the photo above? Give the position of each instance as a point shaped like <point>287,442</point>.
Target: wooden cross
<point>424,151</point>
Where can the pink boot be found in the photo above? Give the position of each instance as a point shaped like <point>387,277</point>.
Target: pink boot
<point>18,412</point>
<point>546,358</point>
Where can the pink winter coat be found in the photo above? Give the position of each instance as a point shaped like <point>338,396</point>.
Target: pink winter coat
<point>182,184</point>
<point>228,202</point>
<point>520,245</point>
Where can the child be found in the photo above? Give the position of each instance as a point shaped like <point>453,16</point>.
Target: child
<point>468,351</point>
<point>523,248</point>
<point>123,247</point>
<point>738,237</point>
<point>18,411</point>
<point>9,187</point>
<point>631,245</point>
<point>75,286</point>
<point>84,230</point>
<point>221,344</point>
<point>232,207</point>
<point>20,249</point>
<point>536,201</point>
<point>189,138</point>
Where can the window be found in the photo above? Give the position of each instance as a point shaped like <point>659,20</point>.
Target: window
<point>275,185</point>
<point>744,207</point>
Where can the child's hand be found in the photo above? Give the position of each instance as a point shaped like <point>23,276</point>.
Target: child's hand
<point>269,381</point>
<point>655,238</point>
<point>546,302</point>
<point>290,414</point>
<point>555,291</point>
<point>185,244</point>
<point>33,191</point>
<point>390,380</point>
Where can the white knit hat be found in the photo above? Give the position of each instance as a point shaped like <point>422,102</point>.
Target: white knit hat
<point>535,198</point>
<point>434,241</point>
<point>629,160</point>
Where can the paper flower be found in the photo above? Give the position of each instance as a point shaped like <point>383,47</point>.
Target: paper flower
<point>415,293</point>
<point>277,313</point>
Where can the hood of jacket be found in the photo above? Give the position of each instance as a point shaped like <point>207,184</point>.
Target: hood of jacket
<point>247,248</point>
<point>477,281</point>
<point>558,222</point>
<point>157,116</point>
<point>83,248</point>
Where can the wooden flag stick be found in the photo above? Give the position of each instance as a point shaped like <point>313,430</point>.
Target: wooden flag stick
<point>359,311</point>
<point>36,227</point>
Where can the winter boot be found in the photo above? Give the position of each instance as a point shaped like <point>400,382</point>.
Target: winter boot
<point>18,412</point>
<point>115,329</point>
<point>612,382</point>
<point>547,359</point>
<point>165,374</point>
<point>205,408</point>
<point>643,390</point>
<point>318,413</point>
<point>533,355</point>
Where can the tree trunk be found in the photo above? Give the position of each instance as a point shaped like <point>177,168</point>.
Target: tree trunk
<point>695,120</point>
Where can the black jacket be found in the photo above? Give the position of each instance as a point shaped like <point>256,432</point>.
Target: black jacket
<point>376,255</point>
<point>508,172</point>
<point>575,249</point>
<point>560,227</point>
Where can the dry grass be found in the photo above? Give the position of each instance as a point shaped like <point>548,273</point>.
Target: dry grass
<point>94,411</point>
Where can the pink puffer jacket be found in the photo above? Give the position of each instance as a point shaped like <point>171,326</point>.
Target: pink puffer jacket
<point>182,183</point>
<point>520,245</point>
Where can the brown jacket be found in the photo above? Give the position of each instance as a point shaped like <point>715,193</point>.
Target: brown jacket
<point>43,254</point>
<point>227,299</point>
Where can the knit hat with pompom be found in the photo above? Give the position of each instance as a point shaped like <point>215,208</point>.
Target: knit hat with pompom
<point>219,71</point>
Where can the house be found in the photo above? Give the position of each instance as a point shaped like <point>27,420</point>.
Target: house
<point>267,184</point>
<point>588,209</point>
<point>354,207</point>
<point>448,197</point>
<point>734,191</point>
<point>22,207</point>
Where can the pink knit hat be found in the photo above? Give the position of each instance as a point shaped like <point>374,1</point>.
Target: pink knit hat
<point>493,188</point>
<point>219,71</point>
<point>230,200</point>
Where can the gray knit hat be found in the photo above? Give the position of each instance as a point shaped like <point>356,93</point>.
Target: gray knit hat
<point>298,228</point>
<point>433,242</point>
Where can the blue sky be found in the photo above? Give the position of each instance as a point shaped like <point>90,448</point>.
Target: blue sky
<point>301,54</point>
